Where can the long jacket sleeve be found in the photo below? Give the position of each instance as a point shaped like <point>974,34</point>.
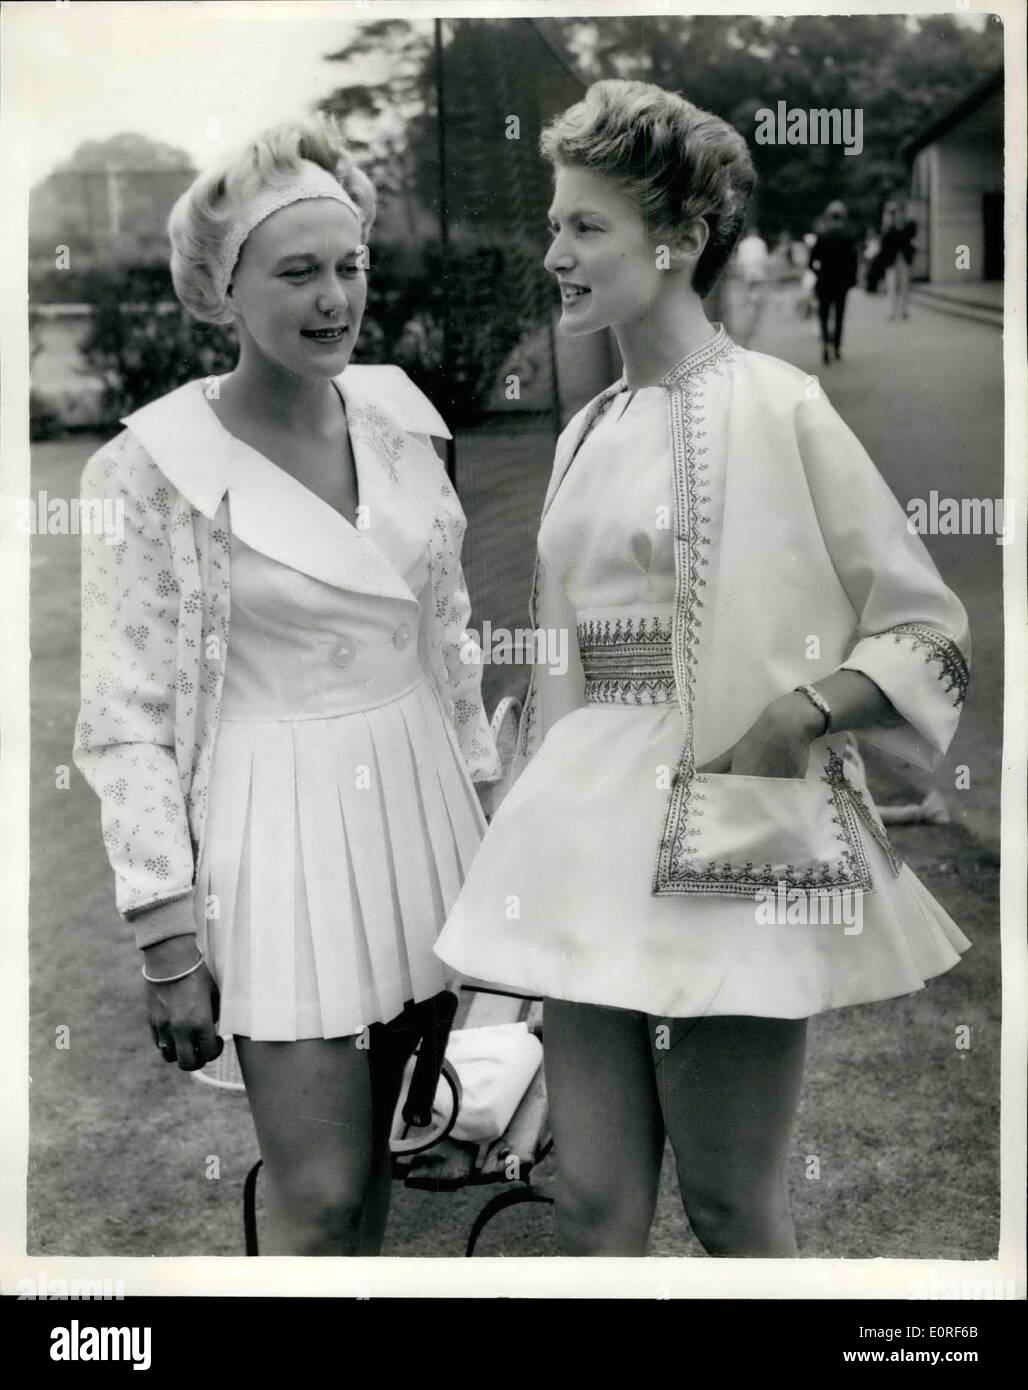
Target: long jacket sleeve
<point>130,681</point>
<point>458,662</point>
<point>911,635</point>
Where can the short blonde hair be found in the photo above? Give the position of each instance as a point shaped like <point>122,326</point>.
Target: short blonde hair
<point>203,215</point>
<point>678,163</point>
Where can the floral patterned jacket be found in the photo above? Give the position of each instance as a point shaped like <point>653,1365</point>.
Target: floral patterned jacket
<point>792,559</point>
<point>156,612</point>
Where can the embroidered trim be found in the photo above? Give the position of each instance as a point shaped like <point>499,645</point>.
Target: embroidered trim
<point>938,648</point>
<point>712,354</point>
<point>702,357</point>
<point>866,812</point>
<point>849,872</point>
<point>692,535</point>
<point>627,662</point>
<point>677,870</point>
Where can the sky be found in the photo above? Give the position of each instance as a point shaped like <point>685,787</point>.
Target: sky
<point>200,76</point>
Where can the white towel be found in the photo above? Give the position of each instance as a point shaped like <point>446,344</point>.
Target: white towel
<point>496,1065</point>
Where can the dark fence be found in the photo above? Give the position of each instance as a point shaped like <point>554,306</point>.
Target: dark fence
<point>497,84</point>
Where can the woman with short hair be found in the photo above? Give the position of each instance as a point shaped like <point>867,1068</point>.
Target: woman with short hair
<point>689,865</point>
<point>275,712</point>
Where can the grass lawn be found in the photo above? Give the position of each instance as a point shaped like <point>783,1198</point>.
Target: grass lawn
<point>904,1125</point>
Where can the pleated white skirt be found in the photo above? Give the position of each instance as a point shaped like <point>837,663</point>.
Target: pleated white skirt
<point>335,848</point>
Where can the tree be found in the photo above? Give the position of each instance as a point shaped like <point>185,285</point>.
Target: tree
<point>109,201</point>
<point>899,71</point>
<point>388,120</point>
<point>127,152</point>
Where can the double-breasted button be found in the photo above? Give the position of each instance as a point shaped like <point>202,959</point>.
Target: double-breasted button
<point>402,636</point>
<point>344,651</point>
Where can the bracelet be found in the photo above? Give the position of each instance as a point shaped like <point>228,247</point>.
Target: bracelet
<point>170,979</point>
<point>819,702</point>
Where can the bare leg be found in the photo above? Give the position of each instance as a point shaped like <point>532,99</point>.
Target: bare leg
<point>903,284</point>
<point>607,1128</point>
<point>729,1088</point>
<point>319,1110</point>
<point>892,285</point>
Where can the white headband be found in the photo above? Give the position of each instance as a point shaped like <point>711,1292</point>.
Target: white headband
<point>312,182</point>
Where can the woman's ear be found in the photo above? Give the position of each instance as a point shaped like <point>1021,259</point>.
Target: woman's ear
<point>689,245</point>
<point>230,300</point>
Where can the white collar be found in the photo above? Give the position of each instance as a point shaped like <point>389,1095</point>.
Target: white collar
<point>194,450</point>
<point>274,513</point>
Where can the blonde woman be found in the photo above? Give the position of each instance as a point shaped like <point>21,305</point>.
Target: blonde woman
<point>275,713</point>
<point>689,865</point>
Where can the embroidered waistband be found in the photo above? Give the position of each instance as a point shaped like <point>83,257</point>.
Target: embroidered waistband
<point>627,661</point>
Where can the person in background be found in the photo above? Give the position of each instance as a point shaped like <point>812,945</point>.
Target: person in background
<point>801,258</point>
<point>897,255</point>
<point>753,260</point>
<point>872,260</point>
<point>833,260</point>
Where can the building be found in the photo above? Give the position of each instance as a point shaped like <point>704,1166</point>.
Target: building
<point>956,196</point>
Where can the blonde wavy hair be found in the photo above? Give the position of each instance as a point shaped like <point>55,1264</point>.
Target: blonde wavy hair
<point>201,218</point>
<point>676,162</point>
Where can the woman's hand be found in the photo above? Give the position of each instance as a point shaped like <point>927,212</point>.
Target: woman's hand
<point>777,744</point>
<point>182,1015</point>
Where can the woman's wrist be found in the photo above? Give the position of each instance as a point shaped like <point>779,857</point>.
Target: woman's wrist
<point>794,713</point>
<point>166,936</point>
<point>170,957</point>
<point>164,921</point>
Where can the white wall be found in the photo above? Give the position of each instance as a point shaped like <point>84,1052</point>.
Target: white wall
<point>962,168</point>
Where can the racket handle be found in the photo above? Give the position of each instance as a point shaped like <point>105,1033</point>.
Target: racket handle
<point>435,1019</point>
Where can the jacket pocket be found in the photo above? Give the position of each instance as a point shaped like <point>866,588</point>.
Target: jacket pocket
<point>733,834</point>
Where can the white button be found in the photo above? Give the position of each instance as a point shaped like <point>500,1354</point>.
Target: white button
<point>344,651</point>
<point>402,635</point>
<point>451,707</point>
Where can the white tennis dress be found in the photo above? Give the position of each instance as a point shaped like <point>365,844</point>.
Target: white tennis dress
<point>341,817</point>
<point>558,902</point>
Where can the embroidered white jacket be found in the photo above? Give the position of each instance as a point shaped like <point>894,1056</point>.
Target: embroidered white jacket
<point>792,559</point>
<point>156,609</point>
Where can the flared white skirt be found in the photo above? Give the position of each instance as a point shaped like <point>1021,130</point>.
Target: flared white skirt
<point>558,902</point>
